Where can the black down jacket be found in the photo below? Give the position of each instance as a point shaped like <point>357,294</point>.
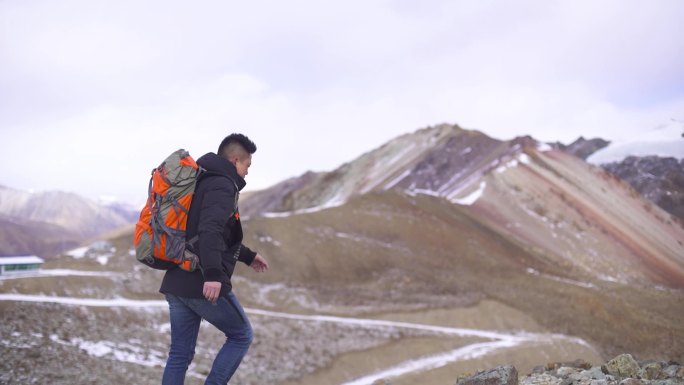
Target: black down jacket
<point>214,218</point>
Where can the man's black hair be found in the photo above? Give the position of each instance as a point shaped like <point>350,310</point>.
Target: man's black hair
<point>244,141</point>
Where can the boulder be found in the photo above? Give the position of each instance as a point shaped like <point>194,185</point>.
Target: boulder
<point>623,366</point>
<point>674,371</point>
<point>500,375</point>
<point>652,371</point>
<point>540,379</point>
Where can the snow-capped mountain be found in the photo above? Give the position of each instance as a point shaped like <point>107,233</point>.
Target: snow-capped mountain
<point>666,140</point>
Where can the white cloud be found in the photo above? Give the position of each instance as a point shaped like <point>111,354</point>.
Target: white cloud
<point>101,86</point>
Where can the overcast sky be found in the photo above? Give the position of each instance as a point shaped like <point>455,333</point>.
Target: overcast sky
<point>94,94</point>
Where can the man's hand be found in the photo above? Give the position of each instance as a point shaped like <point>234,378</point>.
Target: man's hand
<point>212,290</point>
<point>259,264</point>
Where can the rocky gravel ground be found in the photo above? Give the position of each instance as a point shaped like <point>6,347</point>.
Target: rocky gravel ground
<point>46,343</point>
<point>56,344</point>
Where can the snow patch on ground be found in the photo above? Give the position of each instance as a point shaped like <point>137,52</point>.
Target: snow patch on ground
<point>78,253</point>
<point>524,159</point>
<point>95,302</point>
<point>101,251</point>
<point>117,351</point>
<point>164,328</point>
<point>509,164</point>
<point>520,159</point>
<point>268,239</point>
<point>465,201</point>
<point>472,197</point>
<point>436,361</point>
<point>544,147</point>
<point>22,343</point>
<point>396,180</point>
<point>335,202</point>
<point>400,155</point>
<point>62,272</point>
<point>417,191</point>
<point>561,279</point>
<point>264,293</point>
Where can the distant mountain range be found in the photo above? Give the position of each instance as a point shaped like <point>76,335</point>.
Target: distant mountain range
<point>441,227</point>
<point>443,161</point>
<point>46,223</point>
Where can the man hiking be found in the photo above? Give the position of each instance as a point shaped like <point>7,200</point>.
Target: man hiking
<point>206,293</point>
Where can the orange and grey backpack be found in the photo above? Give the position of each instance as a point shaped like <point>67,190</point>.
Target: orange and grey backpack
<point>160,232</point>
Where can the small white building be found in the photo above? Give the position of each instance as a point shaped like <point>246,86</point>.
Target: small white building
<point>20,264</point>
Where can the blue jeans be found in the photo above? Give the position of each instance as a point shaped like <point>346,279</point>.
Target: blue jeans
<point>226,315</point>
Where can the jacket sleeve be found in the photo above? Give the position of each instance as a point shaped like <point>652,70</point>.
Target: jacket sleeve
<point>215,212</point>
<point>246,255</point>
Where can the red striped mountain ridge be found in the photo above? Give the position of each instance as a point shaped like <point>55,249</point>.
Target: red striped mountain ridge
<point>572,215</point>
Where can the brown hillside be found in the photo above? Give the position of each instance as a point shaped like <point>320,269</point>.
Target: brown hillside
<point>387,250</point>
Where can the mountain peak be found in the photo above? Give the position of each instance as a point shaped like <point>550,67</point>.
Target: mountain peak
<point>440,160</point>
<point>583,148</point>
<point>48,215</point>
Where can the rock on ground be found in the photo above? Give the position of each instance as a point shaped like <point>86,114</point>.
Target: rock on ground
<point>621,370</point>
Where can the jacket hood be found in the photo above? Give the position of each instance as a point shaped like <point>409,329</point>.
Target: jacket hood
<point>217,164</point>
